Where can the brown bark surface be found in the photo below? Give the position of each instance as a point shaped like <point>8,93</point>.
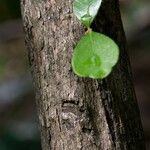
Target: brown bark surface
<point>77,113</point>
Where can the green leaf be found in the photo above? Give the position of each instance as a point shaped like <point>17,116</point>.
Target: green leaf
<point>86,10</point>
<point>94,56</point>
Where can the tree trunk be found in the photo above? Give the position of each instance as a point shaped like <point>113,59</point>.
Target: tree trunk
<point>79,113</point>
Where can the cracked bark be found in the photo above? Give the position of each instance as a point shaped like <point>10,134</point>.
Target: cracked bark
<point>78,113</point>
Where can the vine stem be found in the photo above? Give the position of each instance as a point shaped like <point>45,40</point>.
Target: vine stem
<point>88,30</point>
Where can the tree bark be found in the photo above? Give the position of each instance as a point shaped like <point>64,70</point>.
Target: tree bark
<point>79,113</point>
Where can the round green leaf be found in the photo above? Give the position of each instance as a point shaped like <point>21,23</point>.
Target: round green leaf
<point>94,56</point>
<point>86,10</point>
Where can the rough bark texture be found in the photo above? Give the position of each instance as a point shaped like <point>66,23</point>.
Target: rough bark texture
<point>78,113</point>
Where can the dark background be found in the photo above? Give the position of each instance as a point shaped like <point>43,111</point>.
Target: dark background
<point>18,120</point>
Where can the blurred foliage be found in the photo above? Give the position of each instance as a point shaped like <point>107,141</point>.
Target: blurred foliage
<point>9,9</point>
<point>135,15</point>
<point>3,62</point>
<point>12,55</point>
<point>10,142</point>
